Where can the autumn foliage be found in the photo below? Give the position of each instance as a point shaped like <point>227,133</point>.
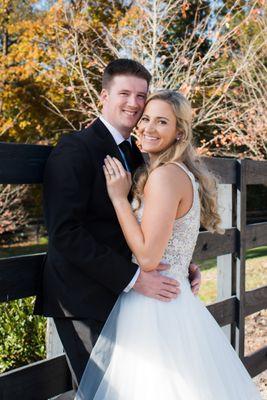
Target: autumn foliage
<point>52,59</point>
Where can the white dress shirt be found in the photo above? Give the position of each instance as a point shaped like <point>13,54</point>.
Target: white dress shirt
<point>117,136</point>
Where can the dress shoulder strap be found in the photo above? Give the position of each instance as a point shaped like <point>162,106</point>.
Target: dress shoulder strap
<point>185,169</point>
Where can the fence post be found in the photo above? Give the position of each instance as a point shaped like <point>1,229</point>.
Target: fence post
<point>54,346</point>
<point>224,263</point>
<point>241,255</point>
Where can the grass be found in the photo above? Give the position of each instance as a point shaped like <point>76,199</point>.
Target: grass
<point>252,253</point>
<point>22,248</point>
<point>256,273</point>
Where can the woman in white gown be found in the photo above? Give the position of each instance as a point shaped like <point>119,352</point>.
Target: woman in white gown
<point>150,349</point>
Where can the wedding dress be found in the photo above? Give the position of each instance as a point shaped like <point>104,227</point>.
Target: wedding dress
<point>152,350</point>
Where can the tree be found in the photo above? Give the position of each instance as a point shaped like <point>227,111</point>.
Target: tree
<point>211,62</point>
<point>22,84</point>
<point>51,71</point>
<point>241,129</point>
<point>13,215</point>
<point>82,55</point>
<point>35,72</point>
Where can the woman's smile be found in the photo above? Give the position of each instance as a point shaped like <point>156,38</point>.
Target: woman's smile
<point>157,127</point>
<point>150,138</point>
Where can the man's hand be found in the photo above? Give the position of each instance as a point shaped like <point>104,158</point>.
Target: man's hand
<point>160,287</point>
<point>194,278</point>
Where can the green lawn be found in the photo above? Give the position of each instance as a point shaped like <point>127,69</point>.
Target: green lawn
<point>256,273</point>
<point>253,253</point>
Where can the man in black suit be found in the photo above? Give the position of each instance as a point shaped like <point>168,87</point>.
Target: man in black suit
<point>88,262</point>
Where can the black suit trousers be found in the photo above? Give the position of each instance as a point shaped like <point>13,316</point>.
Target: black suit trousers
<point>78,337</point>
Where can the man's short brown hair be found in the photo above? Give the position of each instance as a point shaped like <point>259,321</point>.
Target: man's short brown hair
<point>124,66</point>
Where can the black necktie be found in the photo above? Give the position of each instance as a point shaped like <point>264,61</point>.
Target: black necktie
<point>126,148</point>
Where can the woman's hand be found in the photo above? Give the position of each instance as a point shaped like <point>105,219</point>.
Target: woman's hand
<point>118,180</point>
<point>194,278</point>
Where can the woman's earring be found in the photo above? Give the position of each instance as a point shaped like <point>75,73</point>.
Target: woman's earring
<point>178,138</point>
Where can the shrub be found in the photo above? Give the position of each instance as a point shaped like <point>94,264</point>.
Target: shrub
<point>22,334</point>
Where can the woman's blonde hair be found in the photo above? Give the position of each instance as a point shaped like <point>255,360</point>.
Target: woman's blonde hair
<point>182,150</point>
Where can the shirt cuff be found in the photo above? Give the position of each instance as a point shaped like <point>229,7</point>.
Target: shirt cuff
<point>132,283</point>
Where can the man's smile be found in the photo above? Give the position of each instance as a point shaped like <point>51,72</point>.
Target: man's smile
<point>131,113</point>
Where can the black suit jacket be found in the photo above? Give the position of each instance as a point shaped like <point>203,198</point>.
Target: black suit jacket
<point>88,263</point>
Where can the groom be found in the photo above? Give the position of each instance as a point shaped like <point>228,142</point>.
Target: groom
<point>88,262</point>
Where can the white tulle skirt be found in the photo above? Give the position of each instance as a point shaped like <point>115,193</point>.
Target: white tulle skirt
<point>150,350</point>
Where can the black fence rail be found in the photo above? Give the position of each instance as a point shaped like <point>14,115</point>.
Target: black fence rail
<point>20,276</point>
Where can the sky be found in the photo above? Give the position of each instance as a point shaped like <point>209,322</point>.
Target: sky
<point>43,4</point>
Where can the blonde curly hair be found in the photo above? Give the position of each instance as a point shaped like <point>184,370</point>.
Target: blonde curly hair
<point>184,151</point>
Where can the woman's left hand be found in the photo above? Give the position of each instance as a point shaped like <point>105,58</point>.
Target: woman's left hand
<point>118,180</point>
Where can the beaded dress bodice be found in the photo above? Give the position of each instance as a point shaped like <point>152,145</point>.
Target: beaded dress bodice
<point>181,244</point>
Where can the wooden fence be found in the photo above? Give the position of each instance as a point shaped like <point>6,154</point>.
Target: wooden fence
<point>19,276</point>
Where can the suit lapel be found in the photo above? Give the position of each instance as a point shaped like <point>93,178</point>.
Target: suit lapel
<point>105,140</point>
<point>109,146</point>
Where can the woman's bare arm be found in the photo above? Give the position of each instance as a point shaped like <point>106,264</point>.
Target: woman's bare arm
<point>162,195</point>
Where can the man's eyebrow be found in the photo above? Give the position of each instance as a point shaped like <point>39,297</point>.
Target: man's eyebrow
<point>128,91</point>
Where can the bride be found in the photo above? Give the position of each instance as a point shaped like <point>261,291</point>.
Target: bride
<point>149,349</point>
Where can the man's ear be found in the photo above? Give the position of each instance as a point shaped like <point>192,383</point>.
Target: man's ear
<point>103,95</point>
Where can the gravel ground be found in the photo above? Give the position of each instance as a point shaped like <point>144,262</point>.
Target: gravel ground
<point>256,338</point>
<point>261,382</point>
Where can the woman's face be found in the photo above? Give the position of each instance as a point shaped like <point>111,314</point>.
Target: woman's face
<point>157,127</point>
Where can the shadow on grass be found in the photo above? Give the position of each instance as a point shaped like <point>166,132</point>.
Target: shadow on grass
<point>257,252</point>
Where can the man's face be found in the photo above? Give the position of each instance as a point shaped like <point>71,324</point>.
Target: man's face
<point>123,102</point>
